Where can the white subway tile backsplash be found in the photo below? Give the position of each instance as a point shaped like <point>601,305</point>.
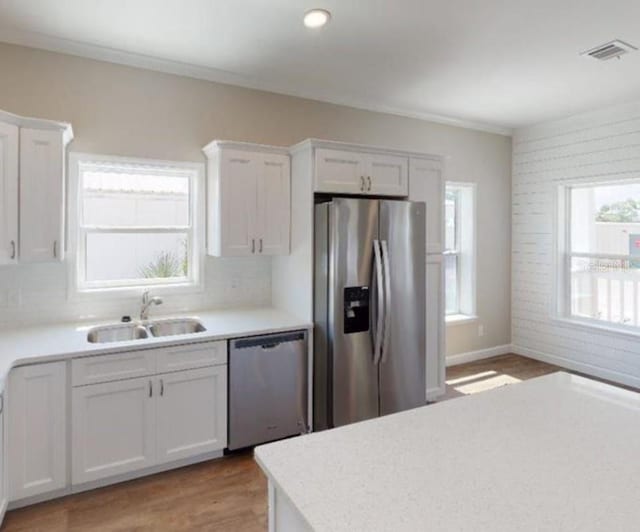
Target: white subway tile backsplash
<point>38,293</point>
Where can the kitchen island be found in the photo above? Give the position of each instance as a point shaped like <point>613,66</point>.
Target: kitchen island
<point>559,452</point>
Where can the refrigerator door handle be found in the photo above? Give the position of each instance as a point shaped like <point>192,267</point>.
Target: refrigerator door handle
<point>387,302</point>
<point>377,349</point>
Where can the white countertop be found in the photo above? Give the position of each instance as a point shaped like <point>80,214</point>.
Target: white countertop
<point>555,453</point>
<point>29,345</point>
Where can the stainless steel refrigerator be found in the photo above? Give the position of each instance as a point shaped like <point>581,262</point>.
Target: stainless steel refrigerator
<point>369,305</point>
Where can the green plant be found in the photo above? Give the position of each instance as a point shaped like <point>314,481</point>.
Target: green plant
<point>627,211</point>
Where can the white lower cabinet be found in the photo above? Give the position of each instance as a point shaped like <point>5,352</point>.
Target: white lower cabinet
<point>3,463</point>
<point>124,426</point>
<point>37,424</point>
<point>113,426</point>
<point>191,413</point>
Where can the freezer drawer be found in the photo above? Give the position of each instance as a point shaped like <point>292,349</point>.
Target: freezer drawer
<point>267,388</point>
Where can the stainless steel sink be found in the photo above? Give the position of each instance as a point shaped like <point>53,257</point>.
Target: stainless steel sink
<point>117,333</point>
<point>177,326</point>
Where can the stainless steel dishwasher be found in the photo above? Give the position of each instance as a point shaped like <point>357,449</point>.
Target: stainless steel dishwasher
<point>268,383</point>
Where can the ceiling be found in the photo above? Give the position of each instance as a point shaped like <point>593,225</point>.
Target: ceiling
<point>490,64</point>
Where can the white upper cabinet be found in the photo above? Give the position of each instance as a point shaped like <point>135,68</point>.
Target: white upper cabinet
<point>41,195</point>
<point>340,172</point>
<point>32,200</point>
<point>9,135</point>
<point>273,219</point>
<point>248,200</point>
<point>388,175</point>
<point>351,172</point>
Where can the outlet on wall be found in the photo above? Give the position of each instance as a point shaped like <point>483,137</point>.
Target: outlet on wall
<point>480,330</point>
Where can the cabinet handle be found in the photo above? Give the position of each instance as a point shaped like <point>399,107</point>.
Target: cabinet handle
<point>1,403</point>
<point>260,249</point>
<point>55,249</point>
<point>253,245</point>
<point>369,180</point>
<point>150,389</point>
<point>161,387</point>
<point>13,249</point>
<point>362,184</point>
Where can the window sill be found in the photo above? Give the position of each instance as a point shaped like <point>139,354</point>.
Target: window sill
<point>120,292</point>
<point>588,325</point>
<point>460,319</point>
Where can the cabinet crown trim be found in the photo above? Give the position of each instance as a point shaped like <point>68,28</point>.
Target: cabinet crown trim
<point>360,148</point>
<point>216,145</point>
<point>38,123</point>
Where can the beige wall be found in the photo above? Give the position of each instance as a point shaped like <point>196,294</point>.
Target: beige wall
<point>127,111</point>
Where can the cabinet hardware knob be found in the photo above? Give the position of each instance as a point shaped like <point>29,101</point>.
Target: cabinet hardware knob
<point>369,180</point>
<point>260,249</point>
<point>13,249</point>
<point>253,245</point>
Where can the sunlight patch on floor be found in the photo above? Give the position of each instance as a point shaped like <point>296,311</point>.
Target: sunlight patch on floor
<point>481,382</point>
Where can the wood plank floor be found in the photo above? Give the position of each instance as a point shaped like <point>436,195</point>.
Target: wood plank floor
<point>229,494</point>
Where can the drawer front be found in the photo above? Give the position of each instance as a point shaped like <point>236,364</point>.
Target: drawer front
<point>105,368</point>
<point>191,356</point>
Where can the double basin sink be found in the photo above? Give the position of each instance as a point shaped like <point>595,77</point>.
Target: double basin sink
<point>124,332</point>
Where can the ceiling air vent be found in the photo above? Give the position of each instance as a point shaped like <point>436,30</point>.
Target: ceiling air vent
<point>609,50</point>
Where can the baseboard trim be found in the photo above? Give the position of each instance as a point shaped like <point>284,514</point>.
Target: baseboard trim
<point>581,367</point>
<point>116,479</point>
<point>472,356</point>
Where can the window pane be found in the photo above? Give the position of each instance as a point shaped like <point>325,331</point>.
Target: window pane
<point>605,219</point>
<point>605,289</point>
<point>450,224</point>
<point>129,199</point>
<point>119,257</point>
<point>451,284</point>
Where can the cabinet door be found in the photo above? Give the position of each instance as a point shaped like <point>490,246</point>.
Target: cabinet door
<point>113,428</point>
<point>3,463</point>
<point>41,195</point>
<point>238,202</point>
<point>427,185</point>
<point>274,208</point>
<point>8,193</point>
<point>37,429</point>
<point>191,413</point>
<point>387,175</point>
<point>340,172</point>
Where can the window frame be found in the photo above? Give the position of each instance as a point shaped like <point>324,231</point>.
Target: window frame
<point>79,288</point>
<point>562,311</point>
<point>465,251</point>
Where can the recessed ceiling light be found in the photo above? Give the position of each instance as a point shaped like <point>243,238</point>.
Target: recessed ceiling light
<point>316,18</point>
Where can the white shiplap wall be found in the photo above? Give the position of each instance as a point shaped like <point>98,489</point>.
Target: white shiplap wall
<point>598,145</point>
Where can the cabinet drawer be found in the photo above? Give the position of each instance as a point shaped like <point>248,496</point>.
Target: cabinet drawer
<point>105,368</point>
<point>191,356</point>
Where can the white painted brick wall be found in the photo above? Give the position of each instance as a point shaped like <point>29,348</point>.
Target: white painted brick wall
<point>602,144</point>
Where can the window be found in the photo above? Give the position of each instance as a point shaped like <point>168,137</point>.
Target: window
<point>600,248</point>
<point>459,253</point>
<point>135,223</point>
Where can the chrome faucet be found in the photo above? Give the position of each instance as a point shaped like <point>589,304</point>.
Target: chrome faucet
<point>147,301</point>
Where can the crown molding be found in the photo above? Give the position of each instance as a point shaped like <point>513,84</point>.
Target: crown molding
<point>111,55</point>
